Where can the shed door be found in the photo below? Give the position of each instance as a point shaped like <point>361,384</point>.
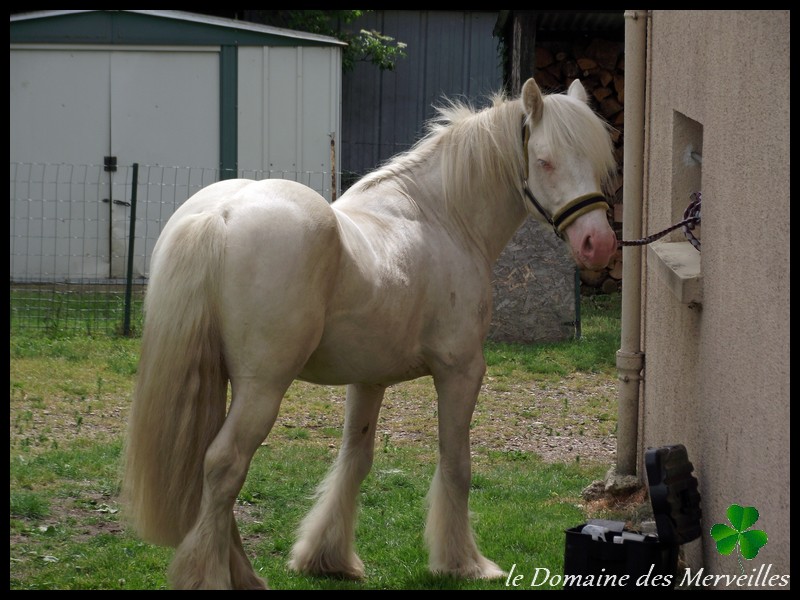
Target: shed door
<point>72,108</point>
<point>59,133</point>
<point>165,116</point>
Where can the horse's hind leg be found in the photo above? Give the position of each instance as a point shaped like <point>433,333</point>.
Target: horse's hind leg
<point>450,539</point>
<point>243,577</point>
<point>211,555</point>
<point>326,536</point>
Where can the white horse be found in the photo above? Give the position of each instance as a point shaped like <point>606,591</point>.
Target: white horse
<point>259,283</point>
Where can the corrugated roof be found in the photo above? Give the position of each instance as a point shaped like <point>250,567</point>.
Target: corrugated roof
<point>579,20</point>
<point>566,21</point>
<point>187,17</point>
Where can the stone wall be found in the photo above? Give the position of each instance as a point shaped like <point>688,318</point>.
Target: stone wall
<point>534,288</point>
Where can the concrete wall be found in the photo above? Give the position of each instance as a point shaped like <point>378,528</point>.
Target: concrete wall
<point>716,375</point>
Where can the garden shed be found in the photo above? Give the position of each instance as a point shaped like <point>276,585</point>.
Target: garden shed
<point>189,98</point>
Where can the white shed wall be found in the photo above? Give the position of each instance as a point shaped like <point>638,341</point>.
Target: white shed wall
<point>288,113</point>
<point>71,106</point>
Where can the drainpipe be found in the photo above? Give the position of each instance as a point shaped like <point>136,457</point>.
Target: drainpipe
<point>630,359</point>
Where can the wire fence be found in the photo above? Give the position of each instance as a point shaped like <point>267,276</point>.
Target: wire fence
<point>82,237</point>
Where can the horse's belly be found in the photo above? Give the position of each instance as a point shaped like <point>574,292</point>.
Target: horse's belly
<point>366,363</point>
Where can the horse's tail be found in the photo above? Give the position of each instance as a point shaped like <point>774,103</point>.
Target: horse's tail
<point>180,395</point>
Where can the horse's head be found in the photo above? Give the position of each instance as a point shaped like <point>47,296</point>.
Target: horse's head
<point>569,157</point>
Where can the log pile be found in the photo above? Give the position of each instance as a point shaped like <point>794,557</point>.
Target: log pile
<point>600,65</point>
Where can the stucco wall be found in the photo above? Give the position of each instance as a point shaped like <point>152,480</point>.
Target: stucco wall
<point>717,374</point>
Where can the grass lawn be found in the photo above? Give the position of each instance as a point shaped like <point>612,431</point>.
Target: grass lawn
<point>543,416</point>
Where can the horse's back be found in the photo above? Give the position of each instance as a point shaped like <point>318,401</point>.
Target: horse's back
<point>231,197</point>
<point>268,218</point>
<point>281,255</point>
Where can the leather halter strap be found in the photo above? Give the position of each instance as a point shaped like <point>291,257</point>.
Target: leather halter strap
<point>572,210</point>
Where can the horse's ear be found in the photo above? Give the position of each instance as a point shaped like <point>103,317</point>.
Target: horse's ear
<point>532,100</point>
<point>577,91</point>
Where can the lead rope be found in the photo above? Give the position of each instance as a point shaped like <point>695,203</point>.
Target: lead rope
<point>691,218</point>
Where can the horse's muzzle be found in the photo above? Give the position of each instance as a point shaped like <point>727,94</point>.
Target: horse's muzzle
<point>592,240</point>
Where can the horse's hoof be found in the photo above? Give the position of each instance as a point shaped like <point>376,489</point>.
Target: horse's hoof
<point>251,582</point>
<point>481,569</point>
<point>490,570</point>
<point>324,566</point>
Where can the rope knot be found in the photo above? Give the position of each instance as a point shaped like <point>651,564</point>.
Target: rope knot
<point>691,218</point>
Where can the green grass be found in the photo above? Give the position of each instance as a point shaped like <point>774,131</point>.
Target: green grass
<point>28,505</point>
<point>69,398</point>
<point>521,508</point>
<point>594,352</point>
<point>62,308</point>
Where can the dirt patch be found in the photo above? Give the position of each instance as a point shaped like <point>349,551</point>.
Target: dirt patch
<point>561,419</point>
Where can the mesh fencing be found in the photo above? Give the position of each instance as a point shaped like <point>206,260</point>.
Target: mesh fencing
<point>73,267</point>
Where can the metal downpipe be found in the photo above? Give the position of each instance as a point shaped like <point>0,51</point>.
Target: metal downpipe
<point>630,359</point>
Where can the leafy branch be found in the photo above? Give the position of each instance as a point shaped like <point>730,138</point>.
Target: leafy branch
<point>370,46</point>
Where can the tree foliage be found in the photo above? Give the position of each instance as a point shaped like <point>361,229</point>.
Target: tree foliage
<point>364,45</point>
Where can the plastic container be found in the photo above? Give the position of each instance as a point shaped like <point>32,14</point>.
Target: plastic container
<point>603,553</point>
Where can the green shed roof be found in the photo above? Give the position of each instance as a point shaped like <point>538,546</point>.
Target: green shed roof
<point>156,27</point>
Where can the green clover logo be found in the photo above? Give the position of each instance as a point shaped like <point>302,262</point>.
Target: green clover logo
<point>748,541</point>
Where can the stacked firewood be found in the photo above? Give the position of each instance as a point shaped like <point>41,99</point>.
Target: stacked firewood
<point>600,66</point>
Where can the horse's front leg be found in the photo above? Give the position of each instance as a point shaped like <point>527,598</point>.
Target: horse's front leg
<point>448,532</point>
<point>325,544</point>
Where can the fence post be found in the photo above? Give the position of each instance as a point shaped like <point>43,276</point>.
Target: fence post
<point>126,328</point>
<point>577,303</point>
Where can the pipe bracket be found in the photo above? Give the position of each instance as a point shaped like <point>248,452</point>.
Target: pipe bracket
<point>630,365</point>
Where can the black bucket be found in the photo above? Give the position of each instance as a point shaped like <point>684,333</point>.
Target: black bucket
<point>603,553</point>
<point>599,561</point>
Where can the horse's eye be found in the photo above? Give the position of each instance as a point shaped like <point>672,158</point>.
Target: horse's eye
<point>544,164</point>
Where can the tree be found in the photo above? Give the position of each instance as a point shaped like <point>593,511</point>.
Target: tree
<point>364,45</point>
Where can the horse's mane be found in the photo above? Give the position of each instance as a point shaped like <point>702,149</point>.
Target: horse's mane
<point>482,150</point>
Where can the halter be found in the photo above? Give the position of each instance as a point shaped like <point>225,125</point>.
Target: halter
<point>573,209</point>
